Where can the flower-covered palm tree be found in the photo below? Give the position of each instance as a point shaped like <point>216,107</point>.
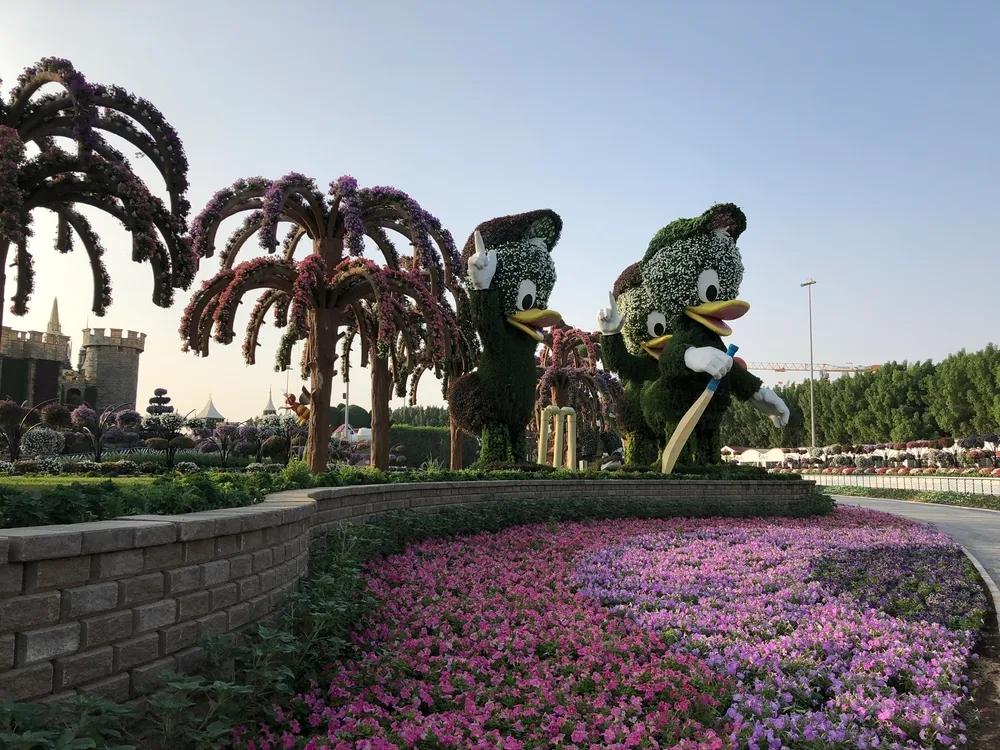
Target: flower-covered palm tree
<point>313,298</point>
<point>413,354</point>
<point>569,376</point>
<point>36,171</point>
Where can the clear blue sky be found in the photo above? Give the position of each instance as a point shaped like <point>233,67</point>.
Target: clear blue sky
<point>861,139</point>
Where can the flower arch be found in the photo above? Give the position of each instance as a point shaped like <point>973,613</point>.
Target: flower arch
<point>36,172</point>
<point>330,288</point>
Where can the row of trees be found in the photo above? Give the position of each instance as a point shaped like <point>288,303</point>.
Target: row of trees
<point>901,401</point>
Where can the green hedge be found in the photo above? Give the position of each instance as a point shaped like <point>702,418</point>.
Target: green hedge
<point>76,502</point>
<point>424,444</point>
<point>267,665</point>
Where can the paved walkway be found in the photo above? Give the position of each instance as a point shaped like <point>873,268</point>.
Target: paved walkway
<point>975,529</point>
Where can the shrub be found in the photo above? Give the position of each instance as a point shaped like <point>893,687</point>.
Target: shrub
<point>49,465</point>
<point>187,467</point>
<point>419,444</point>
<point>80,467</point>
<point>25,467</point>
<point>42,441</point>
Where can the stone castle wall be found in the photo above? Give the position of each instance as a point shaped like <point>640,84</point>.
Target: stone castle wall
<point>34,345</point>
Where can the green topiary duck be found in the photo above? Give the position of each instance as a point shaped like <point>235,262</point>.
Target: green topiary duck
<point>633,335</point>
<point>511,275</point>
<point>692,272</point>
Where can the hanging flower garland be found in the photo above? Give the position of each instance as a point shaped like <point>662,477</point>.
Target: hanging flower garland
<point>11,196</point>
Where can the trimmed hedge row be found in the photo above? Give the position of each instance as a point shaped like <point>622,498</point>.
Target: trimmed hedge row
<point>187,493</point>
<point>248,674</point>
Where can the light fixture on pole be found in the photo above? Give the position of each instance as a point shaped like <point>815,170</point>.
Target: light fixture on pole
<point>808,283</point>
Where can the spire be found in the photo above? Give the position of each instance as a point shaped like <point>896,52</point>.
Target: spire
<point>269,409</point>
<point>54,326</point>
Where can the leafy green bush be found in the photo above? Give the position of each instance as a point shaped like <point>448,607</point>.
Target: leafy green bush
<point>248,673</point>
<point>79,503</point>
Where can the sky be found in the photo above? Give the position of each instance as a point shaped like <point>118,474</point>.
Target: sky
<point>860,140</point>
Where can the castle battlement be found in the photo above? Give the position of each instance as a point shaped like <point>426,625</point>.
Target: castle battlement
<point>117,337</point>
<point>34,345</point>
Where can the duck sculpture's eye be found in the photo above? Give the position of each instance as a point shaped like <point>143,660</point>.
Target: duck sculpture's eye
<point>708,285</point>
<point>656,324</point>
<point>526,295</point>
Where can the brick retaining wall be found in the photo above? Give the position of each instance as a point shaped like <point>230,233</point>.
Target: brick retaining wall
<point>104,608</point>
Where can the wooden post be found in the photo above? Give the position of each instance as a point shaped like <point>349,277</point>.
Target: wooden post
<point>380,413</point>
<point>571,439</point>
<point>557,443</point>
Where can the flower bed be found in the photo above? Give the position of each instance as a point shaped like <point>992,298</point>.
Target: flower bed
<point>795,631</point>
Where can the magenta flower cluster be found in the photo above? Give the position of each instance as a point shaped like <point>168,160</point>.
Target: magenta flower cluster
<point>278,195</point>
<point>219,207</point>
<point>244,276</point>
<point>80,91</point>
<point>11,197</point>
<point>718,636</point>
<point>482,642</point>
<point>813,660</point>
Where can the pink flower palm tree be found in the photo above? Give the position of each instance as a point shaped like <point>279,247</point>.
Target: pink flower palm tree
<point>37,172</point>
<point>313,298</point>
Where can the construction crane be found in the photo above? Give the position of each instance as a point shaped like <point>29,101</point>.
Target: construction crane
<point>804,367</point>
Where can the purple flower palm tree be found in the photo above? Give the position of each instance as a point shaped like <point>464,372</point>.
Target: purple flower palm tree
<point>313,297</point>
<point>93,173</point>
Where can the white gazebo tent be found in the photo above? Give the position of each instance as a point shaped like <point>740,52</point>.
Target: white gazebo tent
<point>209,413</point>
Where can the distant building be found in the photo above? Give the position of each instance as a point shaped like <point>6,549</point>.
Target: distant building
<point>35,367</point>
<point>209,413</point>
<point>269,410</point>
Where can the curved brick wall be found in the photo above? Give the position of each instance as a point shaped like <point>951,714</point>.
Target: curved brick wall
<point>104,608</point>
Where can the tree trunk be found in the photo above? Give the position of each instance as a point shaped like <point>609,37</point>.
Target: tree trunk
<point>560,395</point>
<point>456,443</point>
<point>322,358</point>
<point>380,413</point>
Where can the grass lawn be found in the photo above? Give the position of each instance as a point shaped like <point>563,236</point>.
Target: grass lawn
<point>40,483</point>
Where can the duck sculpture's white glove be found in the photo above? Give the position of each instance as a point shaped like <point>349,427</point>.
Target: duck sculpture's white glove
<point>482,265</point>
<point>708,359</point>
<point>770,404</point>
<point>609,320</point>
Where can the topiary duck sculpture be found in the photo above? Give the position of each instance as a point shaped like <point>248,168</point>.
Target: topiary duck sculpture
<point>692,272</point>
<point>511,275</point>
<point>633,335</point>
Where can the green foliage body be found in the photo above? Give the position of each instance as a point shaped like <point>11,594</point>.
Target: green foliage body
<point>497,401</point>
<point>666,400</point>
<point>642,443</point>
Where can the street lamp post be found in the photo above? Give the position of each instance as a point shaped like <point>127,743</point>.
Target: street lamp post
<point>808,283</point>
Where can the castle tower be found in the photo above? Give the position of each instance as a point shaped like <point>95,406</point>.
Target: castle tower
<point>112,359</point>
